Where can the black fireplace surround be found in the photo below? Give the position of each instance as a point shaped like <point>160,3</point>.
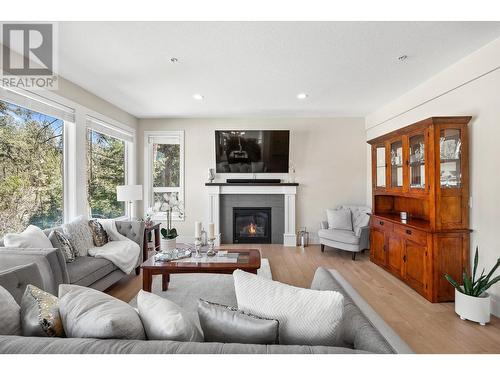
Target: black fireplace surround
<point>251,225</point>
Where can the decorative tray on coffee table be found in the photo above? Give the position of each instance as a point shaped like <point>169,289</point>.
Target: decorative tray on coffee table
<point>171,255</point>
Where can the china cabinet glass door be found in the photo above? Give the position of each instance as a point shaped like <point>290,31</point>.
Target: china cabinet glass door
<point>450,145</point>
<point>397,164</point>
<point>417,162</point>
<point>380,166</point>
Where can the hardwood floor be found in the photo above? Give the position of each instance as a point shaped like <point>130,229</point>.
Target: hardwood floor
<point>426,327</point>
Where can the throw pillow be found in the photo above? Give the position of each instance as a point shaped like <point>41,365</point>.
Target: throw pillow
<point>90,313</point>
<point>80,235</point>
<point>222,323</point>
<point>60,241</point>
<point>307,317</point>
<point>32,237</point>
<point>339,219</point>
<point>10,314</point>
<point>99,235</point>
<point>40,314</point>
<point>165,320</point>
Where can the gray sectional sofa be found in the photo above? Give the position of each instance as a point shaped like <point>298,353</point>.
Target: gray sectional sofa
<point>363,331</point>
<point>86,271</point>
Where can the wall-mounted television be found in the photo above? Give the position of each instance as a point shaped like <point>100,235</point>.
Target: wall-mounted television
<point>252,151</point>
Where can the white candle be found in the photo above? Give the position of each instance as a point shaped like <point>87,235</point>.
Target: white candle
<point>211,231</point>
<point>197,229</point>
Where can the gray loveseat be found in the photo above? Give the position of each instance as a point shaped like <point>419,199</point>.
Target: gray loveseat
<point>363,331</point>
<point>97,273</point>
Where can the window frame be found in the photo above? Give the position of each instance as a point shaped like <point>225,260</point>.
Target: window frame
<point>100,126</point>
<point>149,137</point>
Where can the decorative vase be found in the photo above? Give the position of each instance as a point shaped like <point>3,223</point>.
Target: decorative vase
<point>476,309</point>
<point>167,245</point>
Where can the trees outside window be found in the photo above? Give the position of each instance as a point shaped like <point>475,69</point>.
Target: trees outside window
<point>105,170</point>
<point>31,169</point>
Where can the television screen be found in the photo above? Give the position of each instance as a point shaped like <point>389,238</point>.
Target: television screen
<point>252,151</point>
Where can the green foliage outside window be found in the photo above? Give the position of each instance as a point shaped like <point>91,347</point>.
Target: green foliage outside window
<point>105,170</point>
<point>31,169</point>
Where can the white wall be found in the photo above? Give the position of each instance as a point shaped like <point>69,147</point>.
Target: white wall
<point>328,155</point>
<point>469,87</point>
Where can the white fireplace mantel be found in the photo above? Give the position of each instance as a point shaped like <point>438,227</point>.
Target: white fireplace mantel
<point>289,191</point>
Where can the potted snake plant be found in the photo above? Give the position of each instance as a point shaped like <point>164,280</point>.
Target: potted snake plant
<point>471,300</point>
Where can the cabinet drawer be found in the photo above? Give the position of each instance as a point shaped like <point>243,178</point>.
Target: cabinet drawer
<point>382,224</point>
<point>415,235</point>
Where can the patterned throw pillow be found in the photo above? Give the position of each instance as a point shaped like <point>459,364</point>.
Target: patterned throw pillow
<point>80,235</point>
<point>60,241</point>
<point>40,314</point>
<point>99,235</point>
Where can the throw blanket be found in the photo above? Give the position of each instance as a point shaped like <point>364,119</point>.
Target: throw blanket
<point>121,251</point>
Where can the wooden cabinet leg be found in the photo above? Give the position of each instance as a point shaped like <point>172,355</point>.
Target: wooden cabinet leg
<point>146,280</point>
<point>165,279</point>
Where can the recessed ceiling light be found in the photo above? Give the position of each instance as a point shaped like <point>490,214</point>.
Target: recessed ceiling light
<point>174,60</point>
<point>198,97</point>
<point>402,57</point>
<point>302,95</point>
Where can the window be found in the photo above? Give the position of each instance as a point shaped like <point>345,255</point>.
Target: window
<point>164,173</point>
<point>106,169</point>
<point>31,169</point>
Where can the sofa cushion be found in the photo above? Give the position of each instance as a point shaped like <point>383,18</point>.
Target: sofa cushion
<point>87,270</point>
<point>339,219</point>
<point>79,234</point>
<point>338,235</point>
<point>31,238</point>
<point>10,313</point>
<point>86,312</point>
<point>306,317</point>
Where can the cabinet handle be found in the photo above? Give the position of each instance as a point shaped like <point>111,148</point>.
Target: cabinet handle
<point>404,258</point>
<point>381,222</point>
<point>408,231</point>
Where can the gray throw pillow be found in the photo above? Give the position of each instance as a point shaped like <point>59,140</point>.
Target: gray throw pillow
<point>80,235</point>
<point>339,219</point>
<point>10,314</point>
<point>165,320</point>
<point>40,314</point>
<point>90,313</point>
<point>226,324</point>
<point>60,241</point>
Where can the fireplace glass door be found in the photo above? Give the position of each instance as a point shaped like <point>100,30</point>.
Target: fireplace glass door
<point>251,225</point>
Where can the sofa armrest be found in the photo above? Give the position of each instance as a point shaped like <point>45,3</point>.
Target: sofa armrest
<point>16,279</point>
<point>323,225</point>
<point>133,230</point>
<point>364,238</point>
<point>50,262</point>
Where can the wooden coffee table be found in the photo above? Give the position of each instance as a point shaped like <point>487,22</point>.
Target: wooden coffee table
<point>247,260</point>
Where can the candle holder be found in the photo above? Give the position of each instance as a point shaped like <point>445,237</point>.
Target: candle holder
<point>211,250</point>
<point>197,247</point>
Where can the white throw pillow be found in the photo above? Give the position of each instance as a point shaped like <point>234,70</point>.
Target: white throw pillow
<point>10,314</point>
<point>32,237</point>
<point>306,317</point>
<point>88,312</point>
<point>80,235</point>
<point>339,219</point>
<point>165,320</point>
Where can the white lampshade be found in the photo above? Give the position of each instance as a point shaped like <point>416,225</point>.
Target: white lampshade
<point>128,193</point>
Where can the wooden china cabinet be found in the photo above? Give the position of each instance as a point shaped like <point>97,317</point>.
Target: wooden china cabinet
<point>423,170</point>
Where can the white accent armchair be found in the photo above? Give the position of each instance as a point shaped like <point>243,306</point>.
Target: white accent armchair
<point>355,240</point>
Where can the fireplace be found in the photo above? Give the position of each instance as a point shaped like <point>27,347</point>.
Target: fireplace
<point>251,225</point>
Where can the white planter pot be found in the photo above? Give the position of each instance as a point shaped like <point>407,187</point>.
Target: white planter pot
<point>166,245</point>
<point>476,309</point>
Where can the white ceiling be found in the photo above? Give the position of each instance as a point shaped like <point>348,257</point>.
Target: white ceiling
<point>258,68</point>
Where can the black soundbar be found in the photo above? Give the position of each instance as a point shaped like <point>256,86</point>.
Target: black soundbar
<point>253,180</point>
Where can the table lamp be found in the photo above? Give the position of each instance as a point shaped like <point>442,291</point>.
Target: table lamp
<point>129,193</point>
